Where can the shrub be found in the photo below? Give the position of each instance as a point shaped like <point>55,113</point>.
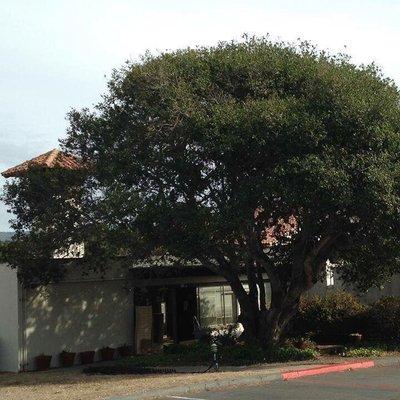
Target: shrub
<point>176,354</point>
<point>254,354</point>
<point>3,251</point>
<point>364,352</point>
<point>329,318</point>
<point>301,343</point>
<point>198,348</point>
<point>200,354</point>
<point>383,320</point>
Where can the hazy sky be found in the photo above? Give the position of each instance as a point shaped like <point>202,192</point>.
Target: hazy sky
<point>57,54</point>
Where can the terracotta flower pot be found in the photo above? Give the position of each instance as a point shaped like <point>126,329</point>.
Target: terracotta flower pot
<point>86,357</point>
<point>107,353</point>
<point>42,362</point>
<point>125,351</point>
<point>67,359</point>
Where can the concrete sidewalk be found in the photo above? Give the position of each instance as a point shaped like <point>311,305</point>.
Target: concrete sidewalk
<point>368,383</point>
<point>256,375</point>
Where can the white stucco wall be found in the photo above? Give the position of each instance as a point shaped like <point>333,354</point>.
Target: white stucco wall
<point>389,288</point>
<point>8,319</point>
<point>77,316</point>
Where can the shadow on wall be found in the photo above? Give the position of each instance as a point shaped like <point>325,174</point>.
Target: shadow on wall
<point>77,317</point>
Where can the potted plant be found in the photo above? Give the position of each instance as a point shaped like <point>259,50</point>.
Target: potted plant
<point>107,353</point>
<point>125,350</point>
<point>86,357</point>
<point>42,362</point>
<point>67,358</point>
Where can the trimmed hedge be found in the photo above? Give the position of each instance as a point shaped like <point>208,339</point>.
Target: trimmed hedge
<point>247,354</point>
<point>3,249</point>
<point>383,320</point>
<point>200,354</point>
<point>330,318</point>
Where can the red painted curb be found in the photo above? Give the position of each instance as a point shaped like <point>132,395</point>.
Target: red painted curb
<point>326,369</point>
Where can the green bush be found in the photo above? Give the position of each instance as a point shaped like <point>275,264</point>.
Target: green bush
<point>329,318</point>
<point>195,347</point>
<point>364,352</point>
<point>200,354</point>
<point>383,320</point>
<point>3,250</point>
<point>253,354</point>
<point>197,353</point>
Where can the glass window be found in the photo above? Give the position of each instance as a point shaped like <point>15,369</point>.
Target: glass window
<point>217,305</point>
<point>230,308</point>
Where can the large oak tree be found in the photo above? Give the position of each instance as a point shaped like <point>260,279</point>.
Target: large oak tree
<point>253,157</point>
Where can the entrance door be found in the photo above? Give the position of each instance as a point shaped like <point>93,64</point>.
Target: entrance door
<point>186,307</point>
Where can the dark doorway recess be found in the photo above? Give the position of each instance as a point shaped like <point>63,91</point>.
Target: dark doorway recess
<point>186,305</point>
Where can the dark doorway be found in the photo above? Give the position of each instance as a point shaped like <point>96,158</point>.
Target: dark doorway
<point>186,307</point>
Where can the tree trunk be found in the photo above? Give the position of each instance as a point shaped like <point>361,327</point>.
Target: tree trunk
<point>278,322</point>
<point>268,326</point>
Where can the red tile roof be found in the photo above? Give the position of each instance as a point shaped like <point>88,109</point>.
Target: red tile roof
<point>52,159</point>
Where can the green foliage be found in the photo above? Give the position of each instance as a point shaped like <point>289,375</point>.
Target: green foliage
<point>197,348</point>
<point>373,349</point>
<point>364,352</point>
<point>383,320</point>
<point>196,153</point>
<point>253,354</point>
<point>3,250</point>
<point>331,317</point>
<point>301,342</point>
<point>239,354</point>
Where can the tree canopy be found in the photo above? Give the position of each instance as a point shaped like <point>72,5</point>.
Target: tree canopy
<point>205,153</point>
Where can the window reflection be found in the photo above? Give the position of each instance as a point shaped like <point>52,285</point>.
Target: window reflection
<point>217,305</point>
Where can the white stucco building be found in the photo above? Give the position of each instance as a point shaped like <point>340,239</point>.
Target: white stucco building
<point>88,313</point>
<point>77,315</point>
<point>132,307</point>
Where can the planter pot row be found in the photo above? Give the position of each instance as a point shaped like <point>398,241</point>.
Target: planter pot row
<point>67,359</point>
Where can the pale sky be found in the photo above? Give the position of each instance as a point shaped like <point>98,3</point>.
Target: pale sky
<point>57,54</point>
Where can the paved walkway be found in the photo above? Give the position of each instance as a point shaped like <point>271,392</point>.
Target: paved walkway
<point>257,375</point>
<point>366,384</point>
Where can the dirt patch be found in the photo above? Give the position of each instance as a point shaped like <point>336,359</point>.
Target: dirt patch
<point>71,384</point>
<point>76,386</point>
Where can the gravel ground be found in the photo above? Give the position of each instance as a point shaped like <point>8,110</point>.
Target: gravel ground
<point>71,384</point>
<point>64,385</point>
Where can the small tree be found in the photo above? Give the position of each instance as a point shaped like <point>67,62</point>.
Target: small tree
<point>253,157</point>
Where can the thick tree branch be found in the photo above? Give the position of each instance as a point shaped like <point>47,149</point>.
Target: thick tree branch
<point>261,285</point>
<point>256,250</point>
<point>252,281</point>
<point>317,257</point>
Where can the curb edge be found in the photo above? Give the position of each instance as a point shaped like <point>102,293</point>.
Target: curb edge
<point>260,379</point>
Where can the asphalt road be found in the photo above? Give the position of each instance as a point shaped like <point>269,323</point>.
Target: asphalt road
<point>367,384</point>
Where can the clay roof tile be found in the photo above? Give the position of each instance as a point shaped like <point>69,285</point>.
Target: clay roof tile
<point>51,160</point>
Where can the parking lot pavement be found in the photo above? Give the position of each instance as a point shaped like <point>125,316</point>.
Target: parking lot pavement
<point>367,384</point>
